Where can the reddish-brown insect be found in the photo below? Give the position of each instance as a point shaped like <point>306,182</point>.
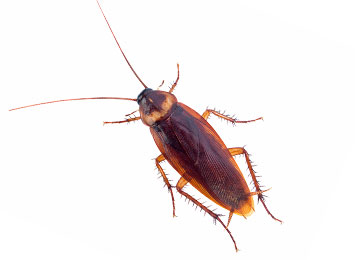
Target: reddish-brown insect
<point>194,149</point>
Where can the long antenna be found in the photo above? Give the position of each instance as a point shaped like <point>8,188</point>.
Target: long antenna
<point>72,99</point>
<point>120,46</point>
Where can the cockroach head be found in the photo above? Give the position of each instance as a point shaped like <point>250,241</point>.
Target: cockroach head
<point>143,94</point>
<point>155,105</point>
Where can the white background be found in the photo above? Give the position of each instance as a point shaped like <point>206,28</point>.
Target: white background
<point>73,189</point>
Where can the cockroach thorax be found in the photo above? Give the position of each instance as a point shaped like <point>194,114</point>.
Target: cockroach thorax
<point>155,105</point>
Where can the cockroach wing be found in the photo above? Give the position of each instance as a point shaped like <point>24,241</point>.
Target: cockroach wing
<point>194,149</point>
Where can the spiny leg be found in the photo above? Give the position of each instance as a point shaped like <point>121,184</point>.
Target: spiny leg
<point>158,160</point>
<point>231,212</point>
<point>179,186</point>
<point>208,112</point>
<point>132,112</point>
<point>123,121</point>
<point>176,81</point>
<point>241,150</point>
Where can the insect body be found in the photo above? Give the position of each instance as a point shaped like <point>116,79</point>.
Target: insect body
<point>190,144</point>
<point>194,149</point>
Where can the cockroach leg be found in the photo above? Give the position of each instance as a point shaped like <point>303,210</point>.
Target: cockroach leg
<point>158,160</point>
<point>230,216</point>
<point>207,113</point>
<point>258,192</point>
<point>176,81</point>
<point>123,121</point>
<point>179,186</point>
<point>239,151</point>
<point>132,112</point>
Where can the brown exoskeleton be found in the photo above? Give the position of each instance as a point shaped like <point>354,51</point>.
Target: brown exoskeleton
<point>194,149</point>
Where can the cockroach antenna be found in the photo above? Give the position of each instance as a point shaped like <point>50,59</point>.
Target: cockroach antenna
<point>76,99</point>
<point>71,99</point>
<point>129,64</point>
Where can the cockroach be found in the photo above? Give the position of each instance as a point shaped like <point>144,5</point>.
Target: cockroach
<point>193,148</point>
